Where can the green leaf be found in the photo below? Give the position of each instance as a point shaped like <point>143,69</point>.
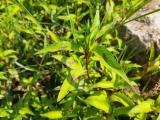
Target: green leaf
<point>28,81</point>
<point>158,118</point>
<point>99,100</point>
<point>29,16</point>
<point>2,77</point>
<point>95,26</point>
<point>66,87</point>
<point>69,17</point>
<point>7,53</point>
<point>24,67</point>
<point>96,21</point>
<point>52,114</point>
<point>104,29</point>
<point>75,73</point>
<point>3,112</point>
<point>33,20</point>
<point>109,9</point>
<point>142,116</point>
<point>107,59</point>
<point>19,117</point>
<point>143,107</point>
<point>68,61</point>
<point>53,36</point>
<point>158,100</point>
<point>124,5</point>
<point>104,84</point>
<point>121,111</point>
<point>44,6</point>
<point>76,67</point>
<point>142,16</point>
<point>25,110</point>
<point>13,10</point>
<point>135,7</point>
<point>60,46</point>
<point>122,98</point>
<point>82,15</point>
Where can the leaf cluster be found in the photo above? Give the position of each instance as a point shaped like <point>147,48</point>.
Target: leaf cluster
<point>64,59</point>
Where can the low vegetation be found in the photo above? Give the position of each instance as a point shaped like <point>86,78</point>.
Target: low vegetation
<point>64,59</point>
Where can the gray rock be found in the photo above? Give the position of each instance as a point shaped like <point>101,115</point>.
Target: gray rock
<point>146,30</point>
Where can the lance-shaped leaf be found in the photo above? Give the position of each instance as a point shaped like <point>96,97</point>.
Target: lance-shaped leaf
<point>25,110</point>
<point>121,110</point>
<point>135,7</point>
<point>99,100</point>
<point>122,98</point>
<point>60,46</point>
<point>76,67</point>
<point>71,17</point>
<point>33,20</point>
<point>53,36</point>
<point>52,114</point>
<point>66,87</point>
<point>95,25</point>
<point>158,101</point>
<point>75,73</point>
<point>6,53</point>
<point>143,107</point>
<point>68,61</point>
<point>96,21</point>
<point>104,84</point>
<point>104,29</point>
<point>107,59</point>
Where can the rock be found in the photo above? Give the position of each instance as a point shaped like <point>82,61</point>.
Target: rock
<point>146,30</point>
